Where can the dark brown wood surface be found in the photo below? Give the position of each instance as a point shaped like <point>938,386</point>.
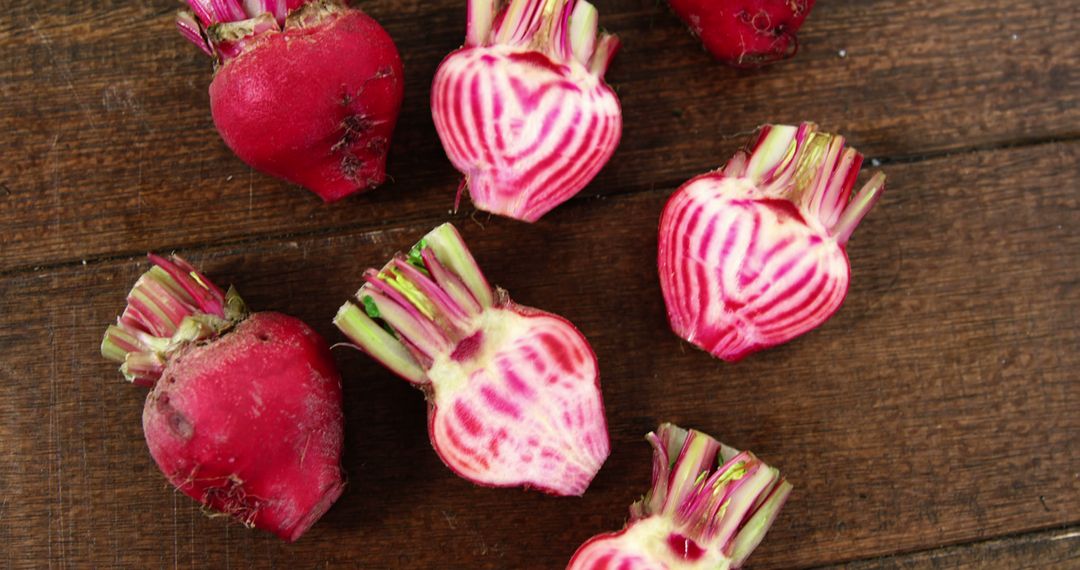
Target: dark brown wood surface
<point>1057,549</point>
<point>933,423</point>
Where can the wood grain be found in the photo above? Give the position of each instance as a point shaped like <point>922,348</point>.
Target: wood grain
<point>109,148</point>
<point>1055,549</point>
<point>937,407</point>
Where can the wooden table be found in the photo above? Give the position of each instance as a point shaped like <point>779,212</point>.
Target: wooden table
<point>933,423</point>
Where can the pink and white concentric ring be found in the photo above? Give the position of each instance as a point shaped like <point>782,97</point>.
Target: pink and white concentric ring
<point>527,132</point>
<point>739,273</point>
<point>532,417</point>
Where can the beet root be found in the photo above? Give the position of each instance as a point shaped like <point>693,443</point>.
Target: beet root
<point>522,109</point>
<point>312,97</point>
<point>755,254</point>
<point>745,33</point>
<point>245,411</point>
<point>513,392</point>
<point>251,425</point>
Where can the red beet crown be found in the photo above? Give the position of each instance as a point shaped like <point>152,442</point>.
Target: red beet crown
<point>171,305</point>
<point>222,27</point>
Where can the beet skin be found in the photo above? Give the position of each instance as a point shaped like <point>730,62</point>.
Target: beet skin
<point>251,425</point>
<point>314,105</point>
<point>745,33</point>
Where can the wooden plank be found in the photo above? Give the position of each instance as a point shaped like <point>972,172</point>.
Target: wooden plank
<point>109,148</point>
<point>1055,549</point>
<point>937,407</point>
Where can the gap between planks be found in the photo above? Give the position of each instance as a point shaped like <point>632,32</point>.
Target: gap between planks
<point>662,186</point>
<point>1048,535</point>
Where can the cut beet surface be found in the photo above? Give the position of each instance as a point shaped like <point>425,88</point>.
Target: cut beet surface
<point>522,108</point>
<point>513,392</point>
<point>754,255</point>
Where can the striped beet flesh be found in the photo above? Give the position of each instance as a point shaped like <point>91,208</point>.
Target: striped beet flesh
<point>513,392</point>
<point>522,108</point>
<point>708,508</point>
<point>753,255</point>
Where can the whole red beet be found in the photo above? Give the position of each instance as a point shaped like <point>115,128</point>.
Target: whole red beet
<point>745,33</point>
<point>305,91</point>
<point>244,414</point>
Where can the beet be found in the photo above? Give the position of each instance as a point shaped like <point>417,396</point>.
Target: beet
<point>753,255</point>
<point>745,33</point>
<point>708,508</point>
<point>513,392</point>
<point>308,92</point>
<point>522,108</point>
<point>244,414</point>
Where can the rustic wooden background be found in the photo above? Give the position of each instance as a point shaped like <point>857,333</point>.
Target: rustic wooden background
<point>933,423</point>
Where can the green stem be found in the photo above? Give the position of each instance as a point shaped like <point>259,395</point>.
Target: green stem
<point>775,149</point>
<point>606,48</point>
<point>481,14</point>
<point>374,340</point>
<point>813,170</point>
<point>518,22</point>
<point>858,208</point>
<point>418,307</point>
<point>754,530</point>
<point>584,23</point>
<point>446,243</point>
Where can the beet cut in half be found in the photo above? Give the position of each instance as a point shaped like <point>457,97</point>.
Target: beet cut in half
<point>754,254</point>
<point>513,392</point>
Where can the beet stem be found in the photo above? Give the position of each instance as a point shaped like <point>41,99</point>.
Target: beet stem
<point>225,29</point>
<point>450,283</point>
<point>859,207</point>
<point>429,301</point>
<point>584,23</point>
<point>711,493</point>
<point>606,48</point>
<point>481,14</point>
<point>374,340</point>
<point>812,169</point>
<point>448,247</point>
<point>170,305</point>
